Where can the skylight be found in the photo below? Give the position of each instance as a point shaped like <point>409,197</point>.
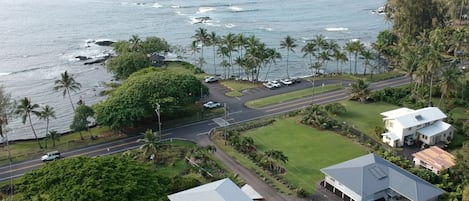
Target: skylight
<point>419,117</point>
<point>377,172</point>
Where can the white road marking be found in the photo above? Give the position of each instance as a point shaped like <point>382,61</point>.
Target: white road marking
<point>220,121</point>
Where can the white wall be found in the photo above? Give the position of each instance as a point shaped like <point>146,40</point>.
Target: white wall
<point>342,188</point>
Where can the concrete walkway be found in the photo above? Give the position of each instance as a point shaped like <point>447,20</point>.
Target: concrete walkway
<point>269,193</point>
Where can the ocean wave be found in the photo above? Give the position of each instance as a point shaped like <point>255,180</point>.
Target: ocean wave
<point>235,8</point>
<point>202,6</point>
<point>229,25</point>
<point>156,5</point>
<point>205,9</point>
<point>24,71</point>
<point>337,29</point>
<point>266,28</point>
<point>3,74</point>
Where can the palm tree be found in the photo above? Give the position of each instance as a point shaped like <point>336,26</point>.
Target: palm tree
<point>273,55</point>
<point>135,43</point>
<point>25,109</point>
<point>194,49</point>
<point>214,39</point>
<point>357,47</point>
<point>151,143</point>
<point>449,81</point>
<point>289,44</point>
<point>47,113</point>
<point>367,56</point>
<point>202,38</point>
<point>229,44</point>
<point>339,57</point>
<point>359,90</point>
<point>349,48</point>
<point>67,83</point>
<point>54,136</point>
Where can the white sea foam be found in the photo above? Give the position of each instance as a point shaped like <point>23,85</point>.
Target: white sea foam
<point>156,5</point>
<point>235,8</point>
<point>2,74</point>
<point>205,9</point>
<point>175,6</point>
<point>229,25</point>
<point>337,29</point>
<point>266,28</point>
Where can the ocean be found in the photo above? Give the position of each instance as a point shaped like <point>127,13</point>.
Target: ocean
<point>40,39</point>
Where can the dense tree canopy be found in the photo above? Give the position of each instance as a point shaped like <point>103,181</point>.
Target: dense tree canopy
<point>137,96</point>
<point>127,63</point>
<point>102,178</point>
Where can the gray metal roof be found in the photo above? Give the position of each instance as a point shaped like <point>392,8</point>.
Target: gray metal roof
<point>369,174</point>
<point>221,190</point>
<point>410,118</point>
<point>434,129</point>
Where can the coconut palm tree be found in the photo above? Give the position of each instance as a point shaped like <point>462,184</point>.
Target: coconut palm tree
<point>6,109</point>
<point>289,44</point>
<point>202,38</point>
<point>67,83</point>
<point>272,55</point>
<point>339,57</point>
<point>214,39</point>
<point>359,90</point>
<point>135,43</point>
<point>357,47</point>
<point>367,55</point>
<point>151,143</point>
<point>25,109</point>
<point>349,48</point>
<point>449,81</point>
<point>229,42</point>
<point>54,136</point>
<point>47,113</point>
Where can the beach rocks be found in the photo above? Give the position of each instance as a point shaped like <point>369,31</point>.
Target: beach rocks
<point>104,42</point>
<point>97,61</point>
<point>82,58</point>
<point>201,20</point>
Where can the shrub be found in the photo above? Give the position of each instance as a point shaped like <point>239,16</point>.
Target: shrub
<point>335,108</point>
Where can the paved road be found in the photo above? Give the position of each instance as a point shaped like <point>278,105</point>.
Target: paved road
<point>197,131</point>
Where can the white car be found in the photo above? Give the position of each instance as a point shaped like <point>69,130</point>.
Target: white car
<point>268,85</point>
<point>211,104</point>
<point>286,81</point>
<point>275,83</point>
<point>211,79</point>
<point>53,155</point>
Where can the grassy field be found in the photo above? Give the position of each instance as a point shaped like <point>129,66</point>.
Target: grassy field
<point>365,117</point>
<point>308,149</point>
<point>262,102</point>
<point>237,86</point>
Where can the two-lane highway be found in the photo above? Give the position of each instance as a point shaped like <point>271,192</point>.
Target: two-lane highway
<point>195,131</point>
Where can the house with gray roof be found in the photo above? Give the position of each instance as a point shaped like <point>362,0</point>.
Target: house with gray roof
<point>370,178</point>
<point>221,190</point>
<point>404,126</point>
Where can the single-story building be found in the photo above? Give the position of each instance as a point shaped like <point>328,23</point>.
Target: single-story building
<point>434,159</point>
<point>221,190</point>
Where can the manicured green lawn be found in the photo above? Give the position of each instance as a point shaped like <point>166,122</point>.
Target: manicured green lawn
<point>262,102</point>
<point>365,116</point>
<point>307,149</point>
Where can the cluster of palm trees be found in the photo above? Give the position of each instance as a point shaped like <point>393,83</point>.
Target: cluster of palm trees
<point>250,55</point>
<point>272,160</point>
<point>26,108</point>
<point>433,61</point>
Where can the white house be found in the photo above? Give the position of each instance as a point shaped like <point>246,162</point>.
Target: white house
<point>404,126</point>
<point>370,178</point>
<point>221,190</point>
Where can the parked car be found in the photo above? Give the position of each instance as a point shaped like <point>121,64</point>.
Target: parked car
<point>286,81</point>
<point>276,83</point>
<point>211,104</point>
<point>50,156</point>
<point>296,80</point>
<point>268,85</point>
<point>211,79</point>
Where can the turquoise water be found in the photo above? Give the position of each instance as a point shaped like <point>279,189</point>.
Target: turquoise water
<point>41,38</point>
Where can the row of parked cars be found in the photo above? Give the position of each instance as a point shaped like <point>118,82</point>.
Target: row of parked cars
<point>278,83</point>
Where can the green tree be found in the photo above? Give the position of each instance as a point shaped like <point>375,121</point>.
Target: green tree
<point>155,45</point>
<point>47,113</point>
<point>134,99</point>
<point>214,40</point>
<point>25,109</point>
<point>125,64</point>
<point>359,90</point>
<point>339,57</point>
<point>54,136</point>
<point>151,144</point>
<point>449,82</point>
<point>367,55</point>
<point>135,43</point>
<point>67,83</point>
<point>80,120</point>
<point>355,47</point>
<point>105,178</point>
<point>289,44</point>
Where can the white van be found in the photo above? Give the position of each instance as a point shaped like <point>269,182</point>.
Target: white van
<point>53,155</point>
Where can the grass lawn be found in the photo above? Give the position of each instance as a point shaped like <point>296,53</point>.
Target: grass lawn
<point>365,116</point>
<point>262,102</point>
<point>237,86</point>
<point>307,149</point>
